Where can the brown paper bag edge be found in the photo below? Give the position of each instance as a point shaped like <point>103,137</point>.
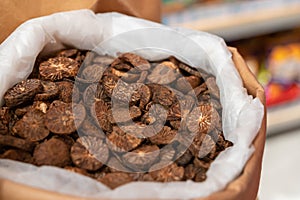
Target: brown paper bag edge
<point>244,187</point>
<point>15,12</point>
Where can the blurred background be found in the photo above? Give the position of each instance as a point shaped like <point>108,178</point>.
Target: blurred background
<point>267,34</point>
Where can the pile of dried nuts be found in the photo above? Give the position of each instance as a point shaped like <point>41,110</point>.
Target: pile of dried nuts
<point>117,120</point>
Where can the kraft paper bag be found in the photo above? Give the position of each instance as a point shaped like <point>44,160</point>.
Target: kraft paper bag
<point>15,12</point>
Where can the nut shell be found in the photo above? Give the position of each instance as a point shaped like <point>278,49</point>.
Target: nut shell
<point>60,118</point>
<point>18,155</point>
<point>31,126</point>
<point>57,68</point>
<point>203,119</point>
<point>114,180</point>
<point>53,152</point>
<point>11,141</point>
<point>89,153</point>
<point>22,92</point>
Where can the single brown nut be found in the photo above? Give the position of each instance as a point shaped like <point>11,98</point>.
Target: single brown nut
<point>57,68</point>
<point>114,180</point>
<point>31,126</point>
<point>89,153</point>
<point>18,155</point>
<point>61,117</point>
<point>11,141</point>
<point>22,92</point>
<point>52,152</point>
<point>203,118</point>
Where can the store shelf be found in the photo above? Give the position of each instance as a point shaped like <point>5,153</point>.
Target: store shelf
<point>283,118</point>
<point>239,20</point>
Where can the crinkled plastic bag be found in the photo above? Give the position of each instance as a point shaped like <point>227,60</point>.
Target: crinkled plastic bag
<point>111,33</point>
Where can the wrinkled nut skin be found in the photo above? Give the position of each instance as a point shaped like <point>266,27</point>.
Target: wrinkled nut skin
<point>60,118</point>
<point>11,141</point>
<point>52,152</point>
<point>57,68</point>
<point>31,126</point>
<point>114,180</point>
<point>22,92</point>
<point>89,153</point>
<point>203,119</point>
<point>18,155</point>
